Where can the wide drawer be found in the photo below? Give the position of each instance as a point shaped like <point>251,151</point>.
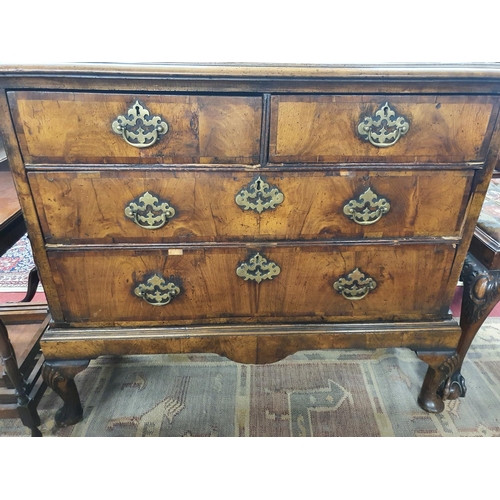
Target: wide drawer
<point>67,127</point>
<point>412,129</point>
<point>261,284</point>
<point>131,206</point>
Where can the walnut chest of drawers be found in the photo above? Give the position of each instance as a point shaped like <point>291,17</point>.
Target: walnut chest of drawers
<point>250,211</point>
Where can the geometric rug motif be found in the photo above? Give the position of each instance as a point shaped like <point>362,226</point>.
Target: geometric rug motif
<point>311,393</point>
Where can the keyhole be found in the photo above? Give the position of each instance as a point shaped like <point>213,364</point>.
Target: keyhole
<point>137,110</point>
<point>258,185</point>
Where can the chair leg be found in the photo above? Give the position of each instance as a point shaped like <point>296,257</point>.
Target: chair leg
<point>25,406</point>
<point>481,294</point>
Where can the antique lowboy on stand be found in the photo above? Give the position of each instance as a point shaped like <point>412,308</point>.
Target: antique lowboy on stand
<point>250,211</point>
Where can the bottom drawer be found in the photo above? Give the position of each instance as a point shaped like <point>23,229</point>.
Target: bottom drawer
<point>200,285</point>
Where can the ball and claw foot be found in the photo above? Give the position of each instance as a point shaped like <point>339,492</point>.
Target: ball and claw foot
<point>68,415</point>
<point>450,389</point>
<point>430,403</point>
<point>436,388</point>
<point>453,388</point>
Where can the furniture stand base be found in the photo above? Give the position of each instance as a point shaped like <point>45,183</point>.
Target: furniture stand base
<point>68,351</point>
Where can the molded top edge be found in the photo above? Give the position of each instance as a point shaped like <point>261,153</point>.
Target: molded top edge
<point>261,71</point>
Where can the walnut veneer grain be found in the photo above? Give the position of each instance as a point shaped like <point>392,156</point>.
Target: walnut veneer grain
<point>88,207</point>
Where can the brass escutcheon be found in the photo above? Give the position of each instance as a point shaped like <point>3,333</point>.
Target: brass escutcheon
<point>149,212</point>
<point>138,128</point>
<point>258,269</point>
<point>384,128</point>
<point>259,196</point>
<point>157,291</point>
<point>355,286</point>
<point>367,209</point>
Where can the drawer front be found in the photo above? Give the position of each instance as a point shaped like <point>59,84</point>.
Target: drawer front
<point>164,206</point>
<point>265,284</point>
<point>67,127</point>
<point>404,129</point>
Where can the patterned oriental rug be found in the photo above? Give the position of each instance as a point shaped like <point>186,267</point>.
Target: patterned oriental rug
<point>314,393</point>
<point>15,266</point>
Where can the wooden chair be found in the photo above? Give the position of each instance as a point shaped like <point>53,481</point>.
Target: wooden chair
<point>481,282</point>
<point>21,385</point>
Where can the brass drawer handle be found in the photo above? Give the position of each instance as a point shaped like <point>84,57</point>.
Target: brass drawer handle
<point>157,291</point>
<point>367,209</point>
<point>383,129</point>
<point>258,195</point>
<point>355,285</point>
<point>149,212</point>
<point>139,128</point>
<point>258,269</point>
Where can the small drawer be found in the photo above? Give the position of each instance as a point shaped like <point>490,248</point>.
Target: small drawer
<point>395,129</point>
<point>258,284</point>
<point>67,127</point>
<point>131,206</point>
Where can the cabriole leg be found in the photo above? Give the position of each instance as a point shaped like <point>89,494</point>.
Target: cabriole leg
<point>481,294</point>
<point>59,376</point>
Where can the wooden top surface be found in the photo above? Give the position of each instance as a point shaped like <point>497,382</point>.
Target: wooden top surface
<point>471,78</point>
<point>399,71</point>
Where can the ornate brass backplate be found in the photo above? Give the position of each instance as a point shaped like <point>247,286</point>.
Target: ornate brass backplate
<point>383,129</point>
<point>355,286</point>
<point>157,291</point>
<point>259,196</point>
<point>139,128</point>
<point>149,212</point>
<point>367,209</point>
<point>258,269</point>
